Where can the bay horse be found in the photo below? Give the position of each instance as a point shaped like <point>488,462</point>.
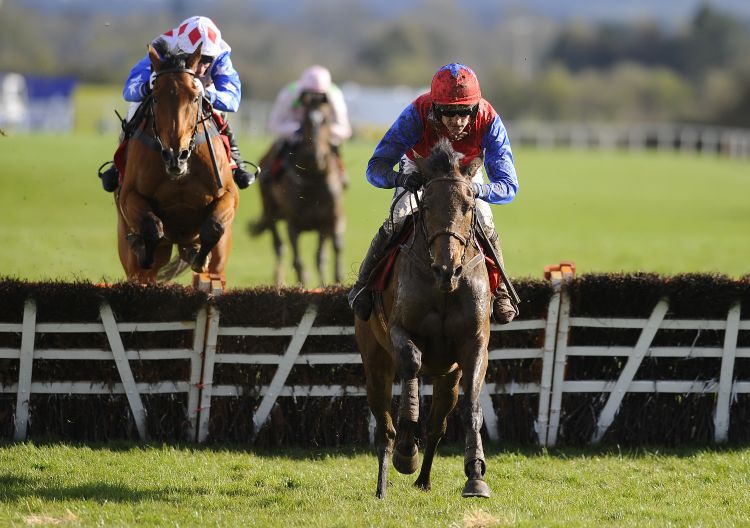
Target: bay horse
<point>172,192</point>
<point>432,319</point>
<point>307,194</point>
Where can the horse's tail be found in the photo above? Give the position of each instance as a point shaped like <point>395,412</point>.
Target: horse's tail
<point>172,269</point>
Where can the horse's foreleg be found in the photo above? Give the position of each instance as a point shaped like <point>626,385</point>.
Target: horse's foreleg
<point>406,455</point>
<point>144,229</point>
<point>379,397</point>
<point>444,398</point>
<point>471,416</point>
<point>322,257</point>
<point>213,228</point>
<point>278,249</point>
<point>293,233</point>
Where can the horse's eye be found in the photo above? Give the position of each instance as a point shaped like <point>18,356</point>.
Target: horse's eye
<point>197,98</point>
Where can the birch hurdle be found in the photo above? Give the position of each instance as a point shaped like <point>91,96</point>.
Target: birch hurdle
<point>28,353</point>
<point>725,387</point>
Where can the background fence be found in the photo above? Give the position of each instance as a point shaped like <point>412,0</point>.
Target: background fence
<point>617,358</point>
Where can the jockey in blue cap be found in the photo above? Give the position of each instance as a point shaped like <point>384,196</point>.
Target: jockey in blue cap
<point>215,75</point>
<point>453,109</point>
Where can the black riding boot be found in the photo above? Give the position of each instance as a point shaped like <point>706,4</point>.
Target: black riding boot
<point>241,177</point>
<point>360,296</point>
<point>110,177</point>
<point>503,310</point>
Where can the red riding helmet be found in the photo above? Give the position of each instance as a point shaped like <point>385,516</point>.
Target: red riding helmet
<point>455,84</point>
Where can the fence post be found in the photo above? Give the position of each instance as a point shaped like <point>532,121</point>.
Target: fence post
<point>548,359</point>
<point>721,414</point>
<point>561,345</point>
<point>196,368</point>
<point>207,376</point>
<point>25,365</point>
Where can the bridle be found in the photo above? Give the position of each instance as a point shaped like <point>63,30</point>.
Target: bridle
<point>430,238</point>
<point>184,155</point>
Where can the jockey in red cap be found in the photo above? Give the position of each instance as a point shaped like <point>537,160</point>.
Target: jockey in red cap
<point>454,109</point>
<point>215,76</point>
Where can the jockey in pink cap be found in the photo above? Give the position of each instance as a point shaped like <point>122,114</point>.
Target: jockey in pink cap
<point>287,113</point>
<point>215,75</point>
<point>453,109</point>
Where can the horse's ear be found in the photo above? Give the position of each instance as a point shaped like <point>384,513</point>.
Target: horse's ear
<point>195,57</point>
<point>473,166</point>
<point>422,165</point>
<point>155,59</point>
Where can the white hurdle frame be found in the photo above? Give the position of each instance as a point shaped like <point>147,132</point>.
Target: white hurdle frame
<point>27,353</point>
<point>725,387</point>
<point>277,387</point>
<point>551,387</point>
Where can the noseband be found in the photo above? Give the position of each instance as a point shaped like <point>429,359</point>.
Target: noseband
<point>465,241</point>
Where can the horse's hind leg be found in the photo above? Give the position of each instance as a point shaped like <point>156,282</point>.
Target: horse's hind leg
<point>322,257</point>
<point>444,398</point>
<point>294,233</point>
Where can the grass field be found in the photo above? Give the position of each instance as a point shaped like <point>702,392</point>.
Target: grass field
<point>128,485</point>
<point>609,211</point>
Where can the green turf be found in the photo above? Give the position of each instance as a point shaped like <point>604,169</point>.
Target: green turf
<point>129,485</point>
<point>607,211</point>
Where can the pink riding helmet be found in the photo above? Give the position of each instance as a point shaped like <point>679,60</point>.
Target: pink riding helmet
<point>315,79</point>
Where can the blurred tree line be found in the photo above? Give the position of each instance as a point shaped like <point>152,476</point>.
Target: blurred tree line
<point>530,67</point>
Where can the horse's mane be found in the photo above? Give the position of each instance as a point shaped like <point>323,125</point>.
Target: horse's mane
<point>443,159</point>
<point>170,58</point>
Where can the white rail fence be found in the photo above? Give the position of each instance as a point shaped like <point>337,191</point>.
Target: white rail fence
<point>206,353</point>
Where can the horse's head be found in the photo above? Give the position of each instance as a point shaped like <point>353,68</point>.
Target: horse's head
<point>448,212</point>
<point>176,105</point>
<point>316,128</point>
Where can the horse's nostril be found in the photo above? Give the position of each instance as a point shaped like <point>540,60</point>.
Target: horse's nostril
<point>457,271</point>
<point>184,155</point>
<point>166,155</point>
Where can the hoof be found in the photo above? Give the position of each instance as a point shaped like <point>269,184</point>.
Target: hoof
<point>476,488</point>
<point>406,464</point>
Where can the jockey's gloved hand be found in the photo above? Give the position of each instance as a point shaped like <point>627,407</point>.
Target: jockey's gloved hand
<point>199,85</point>
<point>411,181</point>
<point>477,189</point>
<point>151,81</point>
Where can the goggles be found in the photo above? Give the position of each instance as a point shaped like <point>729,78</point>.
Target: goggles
<point>205,59</point>
<point>312,98</point>
<point>453,111</point>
